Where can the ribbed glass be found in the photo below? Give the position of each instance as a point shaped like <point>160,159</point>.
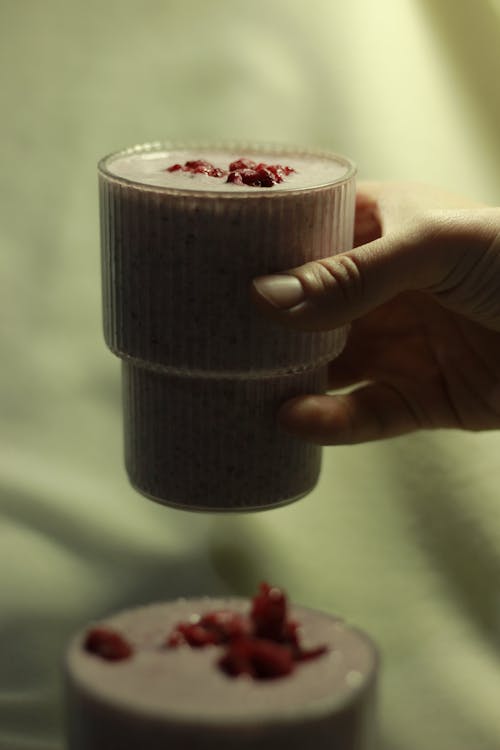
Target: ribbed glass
<point>212,443</point>
<point>177,266</point>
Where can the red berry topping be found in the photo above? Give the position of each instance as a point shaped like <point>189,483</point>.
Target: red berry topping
<point>242,171</point>
<point>108,644</point>
<point>260,177</point>
<point>248,172</point>
<point>260,658</point>
<point>239,164</point>
<point>175,639</point>
<point>197,166</point>
<point>279,172</point>
<point>263,644</point>
<point>308,654</point>
<point>213,628</point>
<point>197,636</point>
<point>268,613</point>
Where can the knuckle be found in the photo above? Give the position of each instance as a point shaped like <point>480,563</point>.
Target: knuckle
<point>339,275</point>
<point>432,223</point>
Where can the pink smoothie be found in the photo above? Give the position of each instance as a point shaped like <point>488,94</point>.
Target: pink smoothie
<point>204,372</point>
<point>179,698</point>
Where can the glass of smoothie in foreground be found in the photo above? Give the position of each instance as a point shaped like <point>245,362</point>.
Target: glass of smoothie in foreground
<point>184,230</point>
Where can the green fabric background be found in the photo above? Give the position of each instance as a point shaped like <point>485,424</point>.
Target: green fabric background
<point>401,537</point>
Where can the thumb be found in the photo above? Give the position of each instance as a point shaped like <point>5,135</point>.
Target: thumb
<point>434,252</point>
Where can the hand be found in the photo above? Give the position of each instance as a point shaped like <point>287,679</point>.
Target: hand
<point>422,293</point>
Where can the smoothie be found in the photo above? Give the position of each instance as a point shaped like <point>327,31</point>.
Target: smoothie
<point>204,373</point>
<point>200,673</point>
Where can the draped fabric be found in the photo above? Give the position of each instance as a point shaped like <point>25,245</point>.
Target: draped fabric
<point>400,537</point>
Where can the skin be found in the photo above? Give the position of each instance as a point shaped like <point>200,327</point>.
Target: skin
<point>421,292</point>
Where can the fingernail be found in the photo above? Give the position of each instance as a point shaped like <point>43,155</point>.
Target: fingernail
<point>280,290</point>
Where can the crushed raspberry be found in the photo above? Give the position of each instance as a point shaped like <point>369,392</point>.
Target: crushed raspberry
<point>214,628</point>
<point>280,172</point>
<point>263,644</point>
<point>309,654</point>
<point>227,625</point>
<point>268,613</point>
<point>198,166</point>
<point>260,177</point>
<point>242,171</point>
<point>108,644</point>
<point>240,164</point>
<point>248,172</point>
<point>196,636</point>
<point>259,658</point>
<point>176,638</point>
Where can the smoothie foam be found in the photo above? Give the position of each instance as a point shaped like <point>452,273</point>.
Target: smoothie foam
<point>152,169</point>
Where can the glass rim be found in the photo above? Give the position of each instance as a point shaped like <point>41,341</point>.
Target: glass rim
<point>248,147</point>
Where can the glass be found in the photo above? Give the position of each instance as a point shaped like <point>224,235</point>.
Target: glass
<point>204,372</point>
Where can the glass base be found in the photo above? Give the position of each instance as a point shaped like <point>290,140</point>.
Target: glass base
<point>209,444</point>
